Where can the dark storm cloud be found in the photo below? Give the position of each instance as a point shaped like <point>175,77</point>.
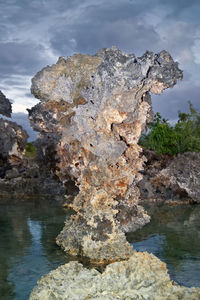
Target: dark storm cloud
<point>177,99</point>
<point>20,58</point>
<point>106,24</point>
<point>34,33</point>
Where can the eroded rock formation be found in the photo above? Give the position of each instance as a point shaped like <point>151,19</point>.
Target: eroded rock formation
<point>27,180</point>
<point>143,276</point>
<point>12,138</point>
<point>96,107</point>
<point>22,177</point>
<point>171,180</point>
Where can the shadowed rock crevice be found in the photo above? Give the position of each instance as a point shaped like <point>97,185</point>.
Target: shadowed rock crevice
<point>96,107</point>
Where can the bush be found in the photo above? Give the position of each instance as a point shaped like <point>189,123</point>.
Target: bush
<point>167,139</point>
<point>30,150</point>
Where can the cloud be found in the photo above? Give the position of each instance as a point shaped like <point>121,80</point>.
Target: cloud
<point>174,100</point>
<point>17,89</point>
<point>35,33</point>
<point>104,24</point>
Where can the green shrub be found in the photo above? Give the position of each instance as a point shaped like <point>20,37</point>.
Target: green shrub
<point>167,139</point>
<point>30,150</point>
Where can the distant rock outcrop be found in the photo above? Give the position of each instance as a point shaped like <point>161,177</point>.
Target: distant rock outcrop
<point>93,110</point>
<point>171,180</point>
<point>27,180</point>
<point>5,106</point>
<point>20,177</point>
<point>12,138</point>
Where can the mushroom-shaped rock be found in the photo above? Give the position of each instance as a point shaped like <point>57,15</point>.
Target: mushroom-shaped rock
<point>96,107</point>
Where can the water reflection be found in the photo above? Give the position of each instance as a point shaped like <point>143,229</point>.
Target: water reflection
<point>174,236</point>
<point>28,249</point>
<point>27,236</point>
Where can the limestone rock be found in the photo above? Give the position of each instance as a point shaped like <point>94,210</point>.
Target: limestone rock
<point>182,176</point>
<point>12,141</point>
<point>96,107</point>
<point>5,106</point>
<point>143,276</point>
<point>171,180</point>
<point>27,180</point>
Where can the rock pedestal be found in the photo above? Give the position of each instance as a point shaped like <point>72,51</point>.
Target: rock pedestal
<point>92,111</point>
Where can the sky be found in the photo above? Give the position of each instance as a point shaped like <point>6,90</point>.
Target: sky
<point>34,33</point>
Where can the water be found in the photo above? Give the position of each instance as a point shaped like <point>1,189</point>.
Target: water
<point>28,249</point>
<point>173,235</point>
<point>27,245</point>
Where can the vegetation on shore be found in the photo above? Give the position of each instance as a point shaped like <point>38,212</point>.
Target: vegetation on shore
<point>30,150</point>
<point>164,138</point>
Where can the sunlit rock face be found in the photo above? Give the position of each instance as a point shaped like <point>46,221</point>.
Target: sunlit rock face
<point>93,110</point>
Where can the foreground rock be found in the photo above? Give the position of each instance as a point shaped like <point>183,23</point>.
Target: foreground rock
<point>143,276</point>
<point>172,180</point>
<point>92,111</point>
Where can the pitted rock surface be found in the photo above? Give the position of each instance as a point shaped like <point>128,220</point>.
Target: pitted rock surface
<point>96,107</point>
<point>143,276</point>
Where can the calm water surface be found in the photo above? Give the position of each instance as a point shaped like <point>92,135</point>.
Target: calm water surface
<point>28,249</point>
<point>173,235</point>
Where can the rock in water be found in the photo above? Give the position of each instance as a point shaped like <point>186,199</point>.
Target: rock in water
<point>143,276</point>
<point>93,110</point>
<point>5,106</point>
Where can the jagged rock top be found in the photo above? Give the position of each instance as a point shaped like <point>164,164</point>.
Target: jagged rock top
<point>107,69</point>
<point>98,91</point>
<point>5,106</point>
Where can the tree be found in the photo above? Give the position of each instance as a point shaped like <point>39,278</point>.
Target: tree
<point>167,139</point>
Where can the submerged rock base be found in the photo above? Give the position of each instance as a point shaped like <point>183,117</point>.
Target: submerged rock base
<point>142,276</point>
